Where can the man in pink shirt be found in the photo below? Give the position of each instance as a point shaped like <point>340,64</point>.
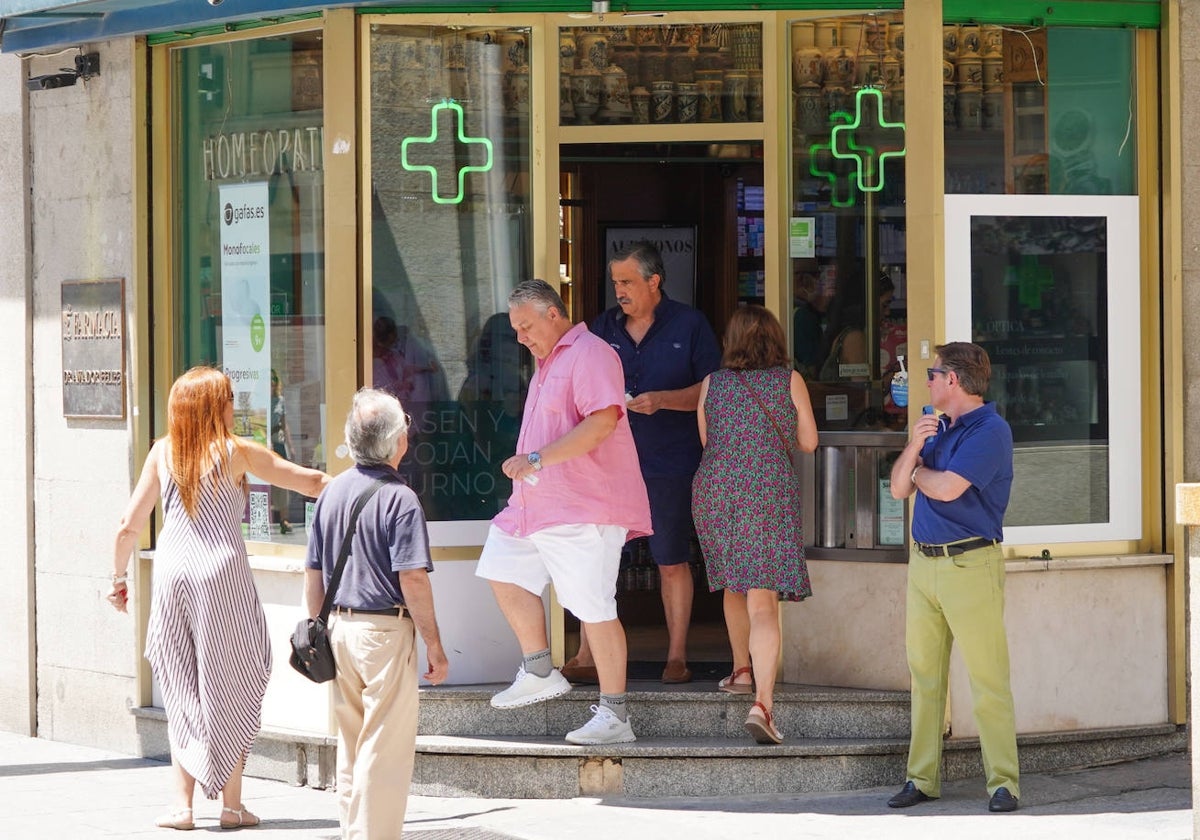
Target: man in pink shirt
<point>578,495</point>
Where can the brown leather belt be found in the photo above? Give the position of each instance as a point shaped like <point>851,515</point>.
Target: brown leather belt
<point>955,548</point>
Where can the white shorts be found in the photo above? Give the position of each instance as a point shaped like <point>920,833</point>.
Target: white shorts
<point>580,560</point>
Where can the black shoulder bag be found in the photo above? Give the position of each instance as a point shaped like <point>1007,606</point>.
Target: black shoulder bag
<point>311,654</point>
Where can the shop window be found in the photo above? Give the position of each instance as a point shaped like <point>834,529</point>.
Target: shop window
<point>248,268</point>
<point>1038,111</point>
<point>450,237</point>
<point>661,74</point>
<point>1042,217</point>
<point>847,221</point>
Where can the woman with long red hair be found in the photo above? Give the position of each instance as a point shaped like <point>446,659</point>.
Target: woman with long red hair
<point>207,641</point>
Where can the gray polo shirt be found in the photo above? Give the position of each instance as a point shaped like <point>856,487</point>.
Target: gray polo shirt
<point>391,537</point>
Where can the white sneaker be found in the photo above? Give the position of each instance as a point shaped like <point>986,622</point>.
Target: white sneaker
<point>528,689</point>
<point>604,728</point>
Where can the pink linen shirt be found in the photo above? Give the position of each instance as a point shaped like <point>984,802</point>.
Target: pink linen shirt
<point>580,376</point>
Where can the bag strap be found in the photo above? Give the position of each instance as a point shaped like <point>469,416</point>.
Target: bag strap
<point>344,553</point>
<point>787,450</point>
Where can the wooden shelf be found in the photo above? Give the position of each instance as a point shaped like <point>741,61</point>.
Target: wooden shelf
<point>662,133</point>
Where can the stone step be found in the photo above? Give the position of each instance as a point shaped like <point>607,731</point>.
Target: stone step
<point>298,758</point>
<point>689,711</point>
<point>517,768</point>
<point>549,768</point>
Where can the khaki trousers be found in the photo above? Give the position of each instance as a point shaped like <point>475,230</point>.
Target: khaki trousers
<point>375,704</point>
<point>959,599</point>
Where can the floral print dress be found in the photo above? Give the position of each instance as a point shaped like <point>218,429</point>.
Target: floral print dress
<point>745,496</point>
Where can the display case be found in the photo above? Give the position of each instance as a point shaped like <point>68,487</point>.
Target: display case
<point>1026,151</point>
<point>751,242</point>
<point>570,224</point>
<point>660,74</point>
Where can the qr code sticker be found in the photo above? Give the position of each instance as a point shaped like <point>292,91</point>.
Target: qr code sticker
<point>260,515</point>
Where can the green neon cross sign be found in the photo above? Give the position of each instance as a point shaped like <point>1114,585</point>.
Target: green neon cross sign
<point>864,139</point>
<point>461,143</point>
<point>822,164</point>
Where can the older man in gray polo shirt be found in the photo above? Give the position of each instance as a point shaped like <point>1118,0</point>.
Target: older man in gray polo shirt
<point>384,593</point>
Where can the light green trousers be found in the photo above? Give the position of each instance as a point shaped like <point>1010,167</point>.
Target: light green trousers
<point>959,599</point>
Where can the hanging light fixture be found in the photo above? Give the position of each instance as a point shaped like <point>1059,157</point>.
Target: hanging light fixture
<point>599,7</point>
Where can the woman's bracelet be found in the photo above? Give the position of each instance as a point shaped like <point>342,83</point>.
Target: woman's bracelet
<point>120,578</point>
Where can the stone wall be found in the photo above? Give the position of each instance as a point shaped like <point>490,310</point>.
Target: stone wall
<point>1189,85</point>
<point>16,451</point>
<point>80,171</point>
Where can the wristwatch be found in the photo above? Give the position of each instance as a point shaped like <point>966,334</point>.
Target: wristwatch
<point>912,479</point>
<point>535,461</point>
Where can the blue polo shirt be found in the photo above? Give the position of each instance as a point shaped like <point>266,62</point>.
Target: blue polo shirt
<point>391,537</point>
<point>978,447</point>
<point>679,350</point>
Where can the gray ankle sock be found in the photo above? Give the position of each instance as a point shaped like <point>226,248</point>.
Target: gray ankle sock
<point>615,703</point>
<point>538,663</point>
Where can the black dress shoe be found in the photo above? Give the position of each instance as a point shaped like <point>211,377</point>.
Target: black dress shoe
<point>910,795</point>
<point>1002,801</point>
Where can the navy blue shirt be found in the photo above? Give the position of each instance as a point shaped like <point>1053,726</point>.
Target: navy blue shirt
<point>391,537</point>
<point>678,351</point>
<point>978,447</point>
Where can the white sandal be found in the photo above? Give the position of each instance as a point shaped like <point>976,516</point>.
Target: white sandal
<point>180,820</point>
<point>244,818</point>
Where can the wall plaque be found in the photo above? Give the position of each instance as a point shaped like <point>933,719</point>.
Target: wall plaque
<point>93,348</point>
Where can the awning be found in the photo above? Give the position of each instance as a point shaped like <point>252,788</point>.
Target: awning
<point>29,26</point>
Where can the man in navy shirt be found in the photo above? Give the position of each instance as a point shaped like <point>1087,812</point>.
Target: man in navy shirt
<point>962,473</point>
<point>666,349</point>
<point>383,597</point>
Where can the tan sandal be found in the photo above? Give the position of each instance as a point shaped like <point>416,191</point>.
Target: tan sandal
<point>730,685</point>
<point>579,674</point>
<point>180,820</point>
<point>243,818</point>
<point>761,725</point>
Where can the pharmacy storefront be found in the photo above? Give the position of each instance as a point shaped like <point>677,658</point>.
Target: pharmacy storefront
<point>326,200</point>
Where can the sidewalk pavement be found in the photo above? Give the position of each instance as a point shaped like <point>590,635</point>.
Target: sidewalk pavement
<point>55,790</point>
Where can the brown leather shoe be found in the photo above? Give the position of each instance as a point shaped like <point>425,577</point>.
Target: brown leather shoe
<point>676,672</point>
<point>579,674</point>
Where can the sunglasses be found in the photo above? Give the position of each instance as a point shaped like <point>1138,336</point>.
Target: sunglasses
<point>930,372</point>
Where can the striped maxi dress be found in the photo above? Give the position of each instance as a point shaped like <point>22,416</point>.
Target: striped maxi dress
<point>207,642</point>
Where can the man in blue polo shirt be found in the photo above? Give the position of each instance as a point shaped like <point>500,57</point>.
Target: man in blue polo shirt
<point>666,349</point>
<point>962,474</point>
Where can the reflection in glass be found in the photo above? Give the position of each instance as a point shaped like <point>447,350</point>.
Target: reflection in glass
<point>847,226</point>
<point>251,296</point>
<point>1038,111</point>
<point>1039,288</point>
<point>450,234</point>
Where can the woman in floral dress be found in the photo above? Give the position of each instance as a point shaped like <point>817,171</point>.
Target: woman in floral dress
<point>746,499</point>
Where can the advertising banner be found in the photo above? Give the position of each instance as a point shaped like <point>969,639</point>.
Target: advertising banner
<point>245,316</point>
